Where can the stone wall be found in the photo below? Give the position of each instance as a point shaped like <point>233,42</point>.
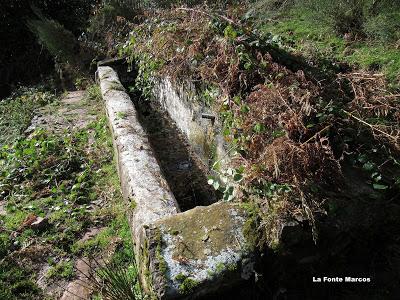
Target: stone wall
<point>199,123</point>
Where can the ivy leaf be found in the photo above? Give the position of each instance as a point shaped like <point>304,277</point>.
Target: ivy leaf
<point>377,186</point>
<point>278,133</point>
<point>216,185</point>
<point>258,128</point>
<point>368,166</point>
<point>237,177</point>
<point>240,170</point>
<point>244,108</point>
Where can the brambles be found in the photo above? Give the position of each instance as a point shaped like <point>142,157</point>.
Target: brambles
<point>288,128</point>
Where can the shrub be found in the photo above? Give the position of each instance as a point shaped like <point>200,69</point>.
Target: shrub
<point>378,19</point>
<point>375,19</point>
<point>60,42</point>
<point>385,27</point>
<point>18,109</point>
<point>18,44</point>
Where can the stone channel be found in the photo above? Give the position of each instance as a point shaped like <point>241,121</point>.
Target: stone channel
<point>187,243</point>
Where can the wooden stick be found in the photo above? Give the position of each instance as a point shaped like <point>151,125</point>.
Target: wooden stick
<point>207,14</point>
<point>370,125</point>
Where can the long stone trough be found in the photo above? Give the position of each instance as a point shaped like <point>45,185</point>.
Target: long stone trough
<point>180,255</point>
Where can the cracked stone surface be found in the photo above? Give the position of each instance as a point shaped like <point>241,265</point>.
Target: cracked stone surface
<point>80,288</point>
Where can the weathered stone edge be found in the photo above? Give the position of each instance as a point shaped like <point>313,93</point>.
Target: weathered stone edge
<point>143,185</point>
<point>239,263</point>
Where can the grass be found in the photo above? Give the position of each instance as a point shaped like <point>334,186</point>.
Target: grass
<point>17,111</point>
<point>300,32</point>
<point>64,269</point>
<point>16,282</point>
<point>117,277</point>
<point>60,177</point>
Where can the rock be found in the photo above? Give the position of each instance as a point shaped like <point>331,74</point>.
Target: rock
<point>83,268</point>
<point>92,232</point>
<point>76,291</point>
<point>293,233</point>
<point>198,251</point>
<point>3,211</point>
<point>39,223</point>
<point>79,289</point>
<point>140,174</point>
<point>73,97</point>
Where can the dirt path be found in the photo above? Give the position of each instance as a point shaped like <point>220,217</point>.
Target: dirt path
<point>71,113</point>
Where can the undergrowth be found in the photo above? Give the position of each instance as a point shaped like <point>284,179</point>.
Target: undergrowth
<point>303,29</point>
<point>17,111</point>
<point>70,181</point>
<point>292,132</point>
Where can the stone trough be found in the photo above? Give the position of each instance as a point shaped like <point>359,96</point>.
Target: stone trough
<point>186,254</point>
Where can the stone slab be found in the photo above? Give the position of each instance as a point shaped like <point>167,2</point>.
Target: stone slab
<point>143,185</point>
<point>199,251</point>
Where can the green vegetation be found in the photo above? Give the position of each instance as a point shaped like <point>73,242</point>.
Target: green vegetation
<point>280,117</point>
<point>121,115</point>
<point>341,31</point>
<point>60,42</point>
<point>61,177</point>
<point>17,282</point>
<point>307,95</point>
<point>19,45</point>
<point>186,284</point>
<point>308,110</point>
<point>118,277</point>
<point>63,269</point>
<point>17,111</point>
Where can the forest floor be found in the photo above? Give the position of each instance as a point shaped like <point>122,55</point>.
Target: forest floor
<point>61,203</point>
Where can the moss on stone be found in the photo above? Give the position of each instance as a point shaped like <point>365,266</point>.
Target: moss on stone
<point>146,274</point>
<point>121,115</point>
<point>162,264</point>
<point>181,243</point>
<point>174,232</point>
<point>232,267</point>
<point>215,222</point>
<point>117,86</point>
<point>187,284</point>
<point>220,268</point>
<point>132,203</point>
<point>213,153</point>
<point>180,277</point>
<point>250,226</point>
